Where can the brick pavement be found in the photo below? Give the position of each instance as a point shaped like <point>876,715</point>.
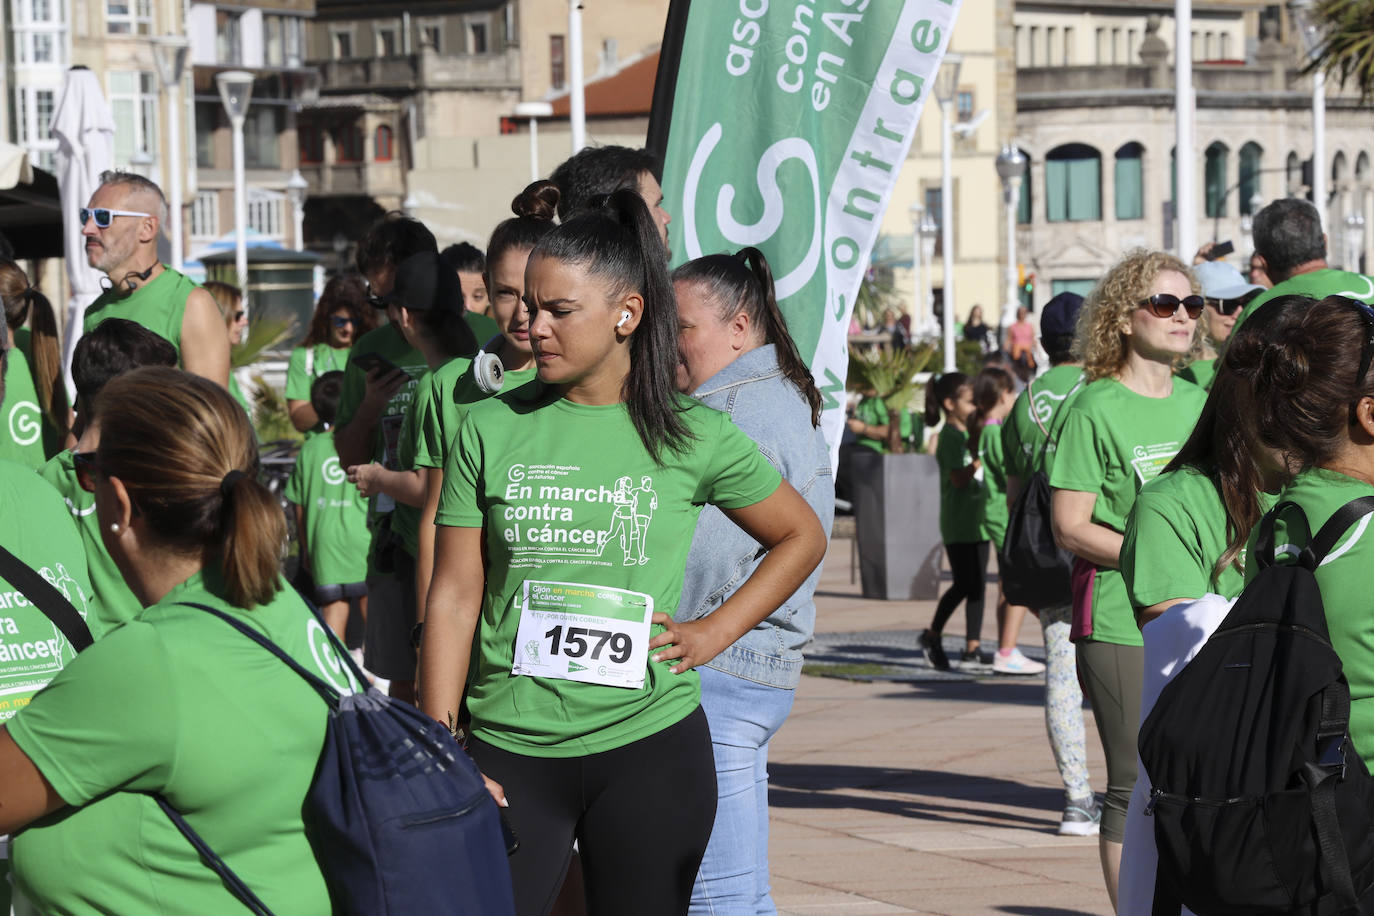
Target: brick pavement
<point>901,790</point>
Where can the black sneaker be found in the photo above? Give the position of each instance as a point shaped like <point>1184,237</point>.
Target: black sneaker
<point>975,660</point>
<point>933,651</point>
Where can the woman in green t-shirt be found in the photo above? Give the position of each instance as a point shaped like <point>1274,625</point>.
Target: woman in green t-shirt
<point>1313,403</point>
<point>508,251</point>
<point>42,350</point>
<point>1126,424</point>
<point>961,518</point>
<point>566,517</point>
<point>175,703</point>
<point>341,317</point>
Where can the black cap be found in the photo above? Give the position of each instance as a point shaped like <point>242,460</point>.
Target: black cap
<point>1059,317</point>
<point>425,283</point>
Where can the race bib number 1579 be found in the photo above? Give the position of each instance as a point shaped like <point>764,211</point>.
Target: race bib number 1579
<point>594,634</point>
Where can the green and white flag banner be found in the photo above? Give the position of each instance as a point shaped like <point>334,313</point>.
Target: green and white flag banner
<point>784,126</point>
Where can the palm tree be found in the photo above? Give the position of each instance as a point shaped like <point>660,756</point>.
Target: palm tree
<point>1346,52</point>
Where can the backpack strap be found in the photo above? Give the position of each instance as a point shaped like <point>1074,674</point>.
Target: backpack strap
<point>232,882</point>
<point>1264,540</point>
<point>1337,525</point>
<point>43,595</point>
<point>328,692</point>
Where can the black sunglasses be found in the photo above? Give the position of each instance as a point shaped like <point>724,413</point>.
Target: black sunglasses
<point>1225,306</point>
<point>341,321</point>
<point>86,466</point>
<point>1165,305</point>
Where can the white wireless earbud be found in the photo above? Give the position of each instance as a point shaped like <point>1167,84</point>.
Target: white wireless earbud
<point>624,317</point>
<point>487,371</point>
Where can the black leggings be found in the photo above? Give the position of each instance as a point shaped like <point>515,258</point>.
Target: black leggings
<point>641,813</point>
<point>969,564</point>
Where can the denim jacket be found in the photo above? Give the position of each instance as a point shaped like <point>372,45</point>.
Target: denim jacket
<point>764,404</point>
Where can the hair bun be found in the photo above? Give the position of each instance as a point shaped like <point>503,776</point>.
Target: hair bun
<point>539,201</point>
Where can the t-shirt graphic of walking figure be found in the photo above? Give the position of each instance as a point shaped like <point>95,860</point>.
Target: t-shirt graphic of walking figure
<point>645,502</point>
<point>622,522</point>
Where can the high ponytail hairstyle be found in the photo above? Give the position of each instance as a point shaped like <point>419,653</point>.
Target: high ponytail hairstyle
<point>941,389</point>
<point>743,282</point>
<point>1250,443</point>
<point>188,458</point>
<point>618,242</point>
<point>534,209</point>
<point>988,387</point>
<point>24,303</point>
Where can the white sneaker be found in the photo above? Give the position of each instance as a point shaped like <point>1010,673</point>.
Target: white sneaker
<point>1014,662</point>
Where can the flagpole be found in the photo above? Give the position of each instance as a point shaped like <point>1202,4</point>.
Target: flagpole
<point>577,108</point>
<point>1185,156</point>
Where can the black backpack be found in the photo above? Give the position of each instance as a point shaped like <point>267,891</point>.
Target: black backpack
<point>1035,571</point>
<point>1260,803</point>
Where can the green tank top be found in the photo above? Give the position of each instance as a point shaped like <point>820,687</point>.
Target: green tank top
<point>159,306</point>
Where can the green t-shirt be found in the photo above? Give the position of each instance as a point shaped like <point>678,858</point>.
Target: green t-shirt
<point>1022,439</point>
<point>1200,372</point>
<point>995,512</point>
<point>309,363</point>
<point>568,495</point>
<point>21,438</point>
<point>53,441</point>
<point>874,412</point>
<point>113,601</point>
<point>387,342</point>
<point>37,530</point>
<point>179,703</point>
<point>1344,582</point>
<point>483,327</point>
<point>961,508</point>
<point>1174,536</point>
<point>1317,284</point>
<point>160,306</point>
<point>1113,442</point>
<point>335,513</point>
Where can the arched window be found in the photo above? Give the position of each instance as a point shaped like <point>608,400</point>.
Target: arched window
<point>382,144</point>
<point>1130,182</point>
<point>348,143</point>
<point>1023,205</point>
<point>1073,183</point>
<point>1362,168</point>
<point>1340,169</point>
<point>1249,191</point>
<point>1292,168</point>
<point>1214,175</point>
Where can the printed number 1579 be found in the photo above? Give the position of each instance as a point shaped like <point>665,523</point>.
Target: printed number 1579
<point>574,643</point>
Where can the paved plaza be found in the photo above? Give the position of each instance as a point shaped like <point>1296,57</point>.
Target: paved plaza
<point>898,789</point>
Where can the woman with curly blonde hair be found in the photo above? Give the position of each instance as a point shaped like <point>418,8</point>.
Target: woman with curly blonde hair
<point>1127,423</point>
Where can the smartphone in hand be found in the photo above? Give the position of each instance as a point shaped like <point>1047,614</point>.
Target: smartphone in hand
<point>369,361</point>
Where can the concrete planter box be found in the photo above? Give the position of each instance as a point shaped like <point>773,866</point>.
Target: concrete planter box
<point>897,517</point>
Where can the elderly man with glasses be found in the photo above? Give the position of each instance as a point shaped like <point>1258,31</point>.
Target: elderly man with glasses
<point>121,225</point>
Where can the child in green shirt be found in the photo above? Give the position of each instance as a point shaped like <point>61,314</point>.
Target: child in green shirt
<point>962,503</point>
<point>331,515</point>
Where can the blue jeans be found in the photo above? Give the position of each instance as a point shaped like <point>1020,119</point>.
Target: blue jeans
<point>743,715</point>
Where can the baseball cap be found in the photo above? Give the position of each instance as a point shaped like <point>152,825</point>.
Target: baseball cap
<point>425,283</point>
<point>1220,280</point>
<point>1059,317</point>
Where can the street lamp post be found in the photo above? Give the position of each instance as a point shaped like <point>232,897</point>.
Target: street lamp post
<point>170,53</point>
<point>1185,134</point>
<point>929,231</point>
<point>946,86</point>
<point>534,111</point>
<point>1011,165</point>
<point>1301,12</point>
<point>918,269</point>
<point>577,102</point>
<point>236,91</point>
<point>296,188</point>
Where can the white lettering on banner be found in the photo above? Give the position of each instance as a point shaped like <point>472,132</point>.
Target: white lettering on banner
<point>746,33</point>
<point>25,427</point>
<point>332,473</point>
<point>774,205</point>
<point>863,185</point>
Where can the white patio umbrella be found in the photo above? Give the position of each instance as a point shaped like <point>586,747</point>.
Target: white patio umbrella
<point>84,130</point>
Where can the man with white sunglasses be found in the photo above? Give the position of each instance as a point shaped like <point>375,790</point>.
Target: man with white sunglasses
<point>121,225</point>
